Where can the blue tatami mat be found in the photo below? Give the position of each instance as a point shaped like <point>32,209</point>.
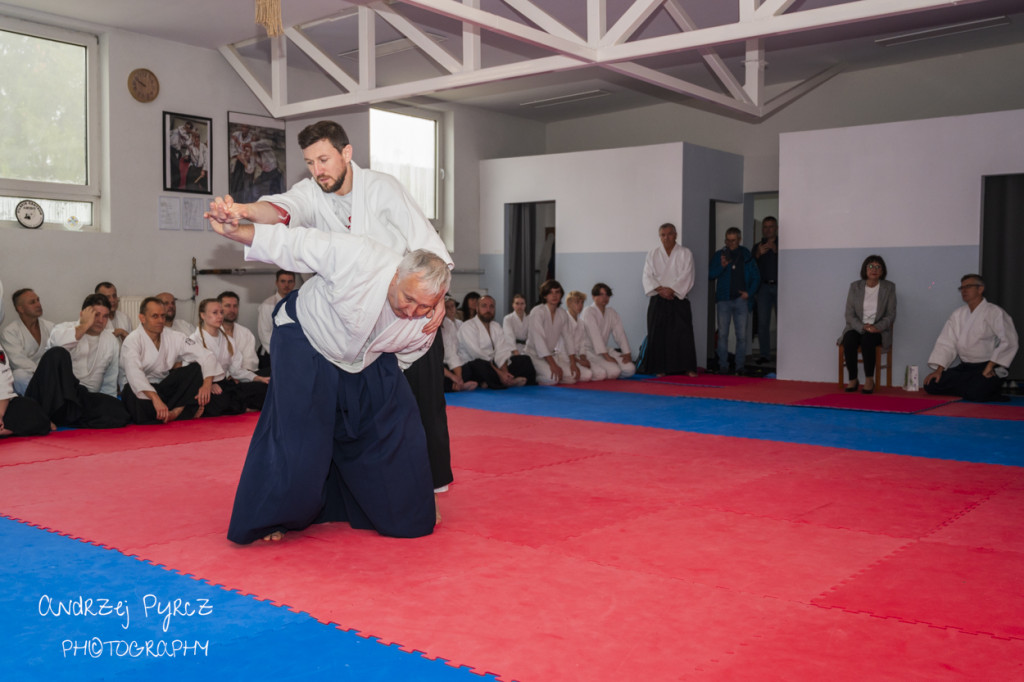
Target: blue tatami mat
<point>134,632</point>
<point>956,438</point>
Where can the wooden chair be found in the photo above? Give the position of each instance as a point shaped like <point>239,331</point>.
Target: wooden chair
<point>880,353</point>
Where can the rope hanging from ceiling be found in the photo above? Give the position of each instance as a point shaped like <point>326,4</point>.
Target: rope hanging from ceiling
<point>268,15</point>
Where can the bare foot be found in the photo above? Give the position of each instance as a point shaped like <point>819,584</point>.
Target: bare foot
<point>6,432</point>
<point>276,536</point>
<point>173,414</point>
<point>437,510</point>
<point>691,374</point>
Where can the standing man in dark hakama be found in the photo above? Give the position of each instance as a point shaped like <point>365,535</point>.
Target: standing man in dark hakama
<point>667,279</point>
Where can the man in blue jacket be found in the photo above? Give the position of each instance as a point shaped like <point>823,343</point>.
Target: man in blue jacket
<point>736,281</point>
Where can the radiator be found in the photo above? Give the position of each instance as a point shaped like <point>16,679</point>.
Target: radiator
<point>129,305</point>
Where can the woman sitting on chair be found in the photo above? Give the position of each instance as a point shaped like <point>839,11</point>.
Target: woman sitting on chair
<point>870,313</point>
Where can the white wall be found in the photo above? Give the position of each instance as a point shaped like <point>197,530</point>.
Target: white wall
<point>910,192</point>
<point>64,266</point>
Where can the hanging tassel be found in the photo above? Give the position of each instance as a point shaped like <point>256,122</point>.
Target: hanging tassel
<point>268,15</point>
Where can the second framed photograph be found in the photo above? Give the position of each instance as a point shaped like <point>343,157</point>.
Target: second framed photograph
<point>256,156</point>
<point>187,162</point>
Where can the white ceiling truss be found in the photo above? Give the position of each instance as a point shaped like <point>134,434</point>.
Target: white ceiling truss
<point>615,48</point>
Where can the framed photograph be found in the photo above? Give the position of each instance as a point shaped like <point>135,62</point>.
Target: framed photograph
<point>187,162</point>
<point>256,156</point>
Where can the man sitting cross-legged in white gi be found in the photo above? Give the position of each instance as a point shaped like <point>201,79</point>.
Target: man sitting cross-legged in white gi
<point>160,387</point>
<point>599,322</point>
<point>75,381</point>
<point>25,338</point>
<point>340,436</point>
<point>491,362</point>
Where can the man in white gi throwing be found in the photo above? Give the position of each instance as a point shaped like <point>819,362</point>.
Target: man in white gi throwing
<point>339,438</point>
<point>982,336</point>
<point>341,197</point>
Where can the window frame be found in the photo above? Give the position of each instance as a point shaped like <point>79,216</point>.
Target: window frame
<point>91,191</point>
<point>439,155</point>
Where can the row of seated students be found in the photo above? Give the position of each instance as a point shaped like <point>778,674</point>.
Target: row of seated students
<point>96,372</point>
<point>551,345</point>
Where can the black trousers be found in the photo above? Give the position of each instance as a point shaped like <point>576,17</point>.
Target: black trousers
<point>967,381</point>
<point>24,417</point>
<point>178,389</point>
<point>426,378</point>
<point>483,372</point>
<point>670,347</point>
<point>67,403</point>
<point>867,342</point>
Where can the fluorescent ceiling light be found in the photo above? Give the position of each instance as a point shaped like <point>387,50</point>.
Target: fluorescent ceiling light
<point>565,99</point>
<point>942,31</point>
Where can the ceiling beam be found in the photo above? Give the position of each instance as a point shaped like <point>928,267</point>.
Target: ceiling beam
<point>420,39</point>
<point>823,17</point>
<point>682,87</point>
<point>321,59</point>
<point>544,20</point>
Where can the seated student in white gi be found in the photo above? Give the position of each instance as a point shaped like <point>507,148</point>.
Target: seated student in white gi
<point>160,387</point>
<point>172,321</point>
<point>241,337</point>
<point>19,416</point>
<point>489,353</point>
<point>549,328</point>
<point>235,389</point>
<point>454,378</point>
<point>451,311</point>
<point>515,325</point>
<point>284,281</point>
<point>599,322</point>
<point>25,338</point>
<point>983,337</point>
<point>75,381</point>
<point>574,305</point>
<point>340,436</point>
<point>119,324</point>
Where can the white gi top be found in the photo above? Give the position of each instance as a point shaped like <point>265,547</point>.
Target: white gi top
<point>450,338</point>
<point>265,325</point>
<point>673,270</point>
<point>577,333</point>
<point>485,343</point>
<point>94,359</point>
<point>183,326</point>
<point>516,329</point>
<point>381,210</point>
<point>119,321</point>
<point>6,377</point>
<point>985,335</point>
<point>144,364</point>
<point>599,325</point>
<point>23,353</point>
<point>244,343</point>
<point>343,310</point>
<point>229,364</point>
<point>545,333</point>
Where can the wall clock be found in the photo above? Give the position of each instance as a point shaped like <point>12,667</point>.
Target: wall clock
<point>29,214</point>
<point>144,85</point>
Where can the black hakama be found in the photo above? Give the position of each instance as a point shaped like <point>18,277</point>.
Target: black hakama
<point>57,390</point>
<point>178,389</point>
<point>333,446</point>
<point>426,378</point>
<point>670,348</point>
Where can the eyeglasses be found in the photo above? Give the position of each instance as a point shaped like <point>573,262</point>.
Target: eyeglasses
<point>966,286</point>
<point>874,266</point>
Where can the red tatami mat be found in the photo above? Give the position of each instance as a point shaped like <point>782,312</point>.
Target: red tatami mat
<point>980,411</point>
<point>574,550</point>
<point>873,403</point>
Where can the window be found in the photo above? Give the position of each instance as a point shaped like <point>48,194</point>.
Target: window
<point>48,105</point>
<point>407,148</point>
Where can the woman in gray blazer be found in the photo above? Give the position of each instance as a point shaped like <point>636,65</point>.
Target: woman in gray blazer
<point>870,313</point>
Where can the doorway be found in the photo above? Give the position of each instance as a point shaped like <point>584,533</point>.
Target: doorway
<point>1002,250</point>
<point>724,214</point>
<point>529,249</point>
